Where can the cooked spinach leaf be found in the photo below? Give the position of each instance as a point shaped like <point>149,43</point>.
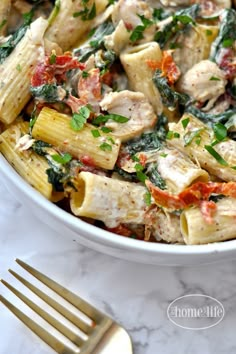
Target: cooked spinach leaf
<point>209,118</point>
<point>160,14</point>
<point>170,98</point>
<point>147,141</point>
<point>55,177</point>
<point>155,177</point>
<point>96,41</point>
<point>104,60</point>
<point>45,93</point>
<point>131,177</point>
<point>227,33</point>
<point>40,147</point>
<point>180,22</point>
<point>7,47</point>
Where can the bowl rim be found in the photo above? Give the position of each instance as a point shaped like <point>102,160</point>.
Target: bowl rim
<point>99,235</point>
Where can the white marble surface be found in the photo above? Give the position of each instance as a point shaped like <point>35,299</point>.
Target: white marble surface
<point>135,295</point>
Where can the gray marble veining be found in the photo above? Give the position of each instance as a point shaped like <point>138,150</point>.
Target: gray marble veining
<point>135,295</point>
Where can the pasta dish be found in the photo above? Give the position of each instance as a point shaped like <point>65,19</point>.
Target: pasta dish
<point>123,112</point>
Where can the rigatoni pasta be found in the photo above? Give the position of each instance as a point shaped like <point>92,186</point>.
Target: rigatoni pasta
<point>127,204</point>
<point>126,111</point>
<point>196,230</point>
<point>16,71</point>
<point>55,129</point>
<point>27,163</point>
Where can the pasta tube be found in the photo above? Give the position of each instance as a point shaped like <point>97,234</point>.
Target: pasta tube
<point>195,140</point>
<point>16,71</point>
<point>28,164</point>
<point>109,200</point>
<point>141,80</point>
<point>54,128</point>
<point>196,230</point>
<point>195,46</point>
<point>178,171</point>
<point>70,21</point>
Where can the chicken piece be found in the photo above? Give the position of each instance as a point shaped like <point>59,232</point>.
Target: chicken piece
<point>129,11</point>
<point>205,81</point>
<point>164,226</point>
<point>132,105</point>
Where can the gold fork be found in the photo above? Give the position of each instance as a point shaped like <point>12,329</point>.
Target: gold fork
<point>98,333</point>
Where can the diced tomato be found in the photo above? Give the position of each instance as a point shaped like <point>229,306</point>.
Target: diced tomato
<point>167,66</point>
<point>194,195</point>
<point>46,73</point>
<point>128,26</point>
<point>87,160</point>
<point>142,159</point>
<point>90,88</point>
<point>42,75</point>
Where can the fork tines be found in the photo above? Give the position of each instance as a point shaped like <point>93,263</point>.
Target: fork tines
<point>93,325</point>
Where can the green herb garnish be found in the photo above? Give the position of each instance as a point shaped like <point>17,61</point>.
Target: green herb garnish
<point>213,78</point>
<point>220,131</point>
<point>79,119</point>
<point>105,147</point>
<point>215,154</point>
<point>62,159</point>
<point>185,122</point>
<point>95,133</point>
<point>116,117</point>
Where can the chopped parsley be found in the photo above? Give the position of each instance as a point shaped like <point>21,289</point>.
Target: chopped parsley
<point>62,159</point>
<point>95,133</point>
<point>115,117</point>
<point>52,59</point>
<point>105,147</point>
<point>208,32</point>
<point>79,119</point>
<point>215,154</point>
<point>185,122</point>
<point>148,198</point>
<point>137,33</point>
<point>171,135</point>
<point>141,176</point>
<point>189,136</point>
<point>85,74</point>
<point>220,132</point>
<point>106,130</point>
<point>213,78</point>
<point>19,68</point>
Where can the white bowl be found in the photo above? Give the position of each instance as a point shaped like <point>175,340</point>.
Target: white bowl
<point>107,242</point>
